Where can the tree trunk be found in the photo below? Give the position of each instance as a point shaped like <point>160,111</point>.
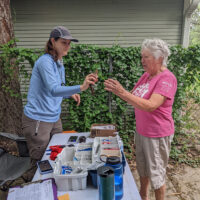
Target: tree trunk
<point>10,107</point>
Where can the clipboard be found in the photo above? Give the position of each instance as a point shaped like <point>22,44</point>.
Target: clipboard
<point>39,190</point>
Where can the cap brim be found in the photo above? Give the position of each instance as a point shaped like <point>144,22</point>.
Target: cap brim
<point>69,38</point>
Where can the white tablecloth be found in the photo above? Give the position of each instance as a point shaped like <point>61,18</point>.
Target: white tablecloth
<point>130,188</point>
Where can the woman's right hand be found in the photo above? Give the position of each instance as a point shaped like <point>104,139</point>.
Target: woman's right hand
<point>89,79</point>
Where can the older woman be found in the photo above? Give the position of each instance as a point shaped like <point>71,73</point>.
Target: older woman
<point>152,97</point>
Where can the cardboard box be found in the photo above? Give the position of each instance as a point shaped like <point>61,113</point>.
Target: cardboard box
<point>103,130</point>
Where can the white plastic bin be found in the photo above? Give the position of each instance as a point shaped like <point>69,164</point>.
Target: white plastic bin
<point>104,145</point>
<point>73,181</point>
<point>69,182</point>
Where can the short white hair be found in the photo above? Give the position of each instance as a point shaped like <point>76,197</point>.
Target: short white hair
<point>158,48</point>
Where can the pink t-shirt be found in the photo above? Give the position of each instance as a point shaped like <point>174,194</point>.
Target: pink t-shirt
<point>158,123</point>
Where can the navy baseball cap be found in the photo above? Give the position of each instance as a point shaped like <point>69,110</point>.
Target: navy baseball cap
<point>62,32</point>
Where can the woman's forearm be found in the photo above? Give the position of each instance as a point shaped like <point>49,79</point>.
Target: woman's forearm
<point>138,102</point>
<point>148,105</point>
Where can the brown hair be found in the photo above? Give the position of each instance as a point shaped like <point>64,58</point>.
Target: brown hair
<point>50,49</point>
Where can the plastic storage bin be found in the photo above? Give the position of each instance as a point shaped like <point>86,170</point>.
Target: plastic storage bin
<point>71,181</point>
<point>106,146</point>
<point>77,179</point>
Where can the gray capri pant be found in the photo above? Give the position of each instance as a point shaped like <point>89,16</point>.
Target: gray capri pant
<point>38,135</point>
<point>152,156</point>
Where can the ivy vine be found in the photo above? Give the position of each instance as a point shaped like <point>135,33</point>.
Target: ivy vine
<point>122,64</point>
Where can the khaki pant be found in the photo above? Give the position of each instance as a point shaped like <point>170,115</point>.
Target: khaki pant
<point>152,156</point>
<point>38,135</point>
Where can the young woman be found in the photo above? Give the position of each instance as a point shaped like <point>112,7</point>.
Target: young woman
<point>41,118</point>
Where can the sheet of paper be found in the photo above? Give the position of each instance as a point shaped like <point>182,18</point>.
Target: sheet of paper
<point>39,191</point>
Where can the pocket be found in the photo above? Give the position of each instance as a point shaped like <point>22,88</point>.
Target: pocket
<point>36,152</point>
<point>171,137</point>
<point>28,127</point>
<point>155,142</point>
<point>26,121</point>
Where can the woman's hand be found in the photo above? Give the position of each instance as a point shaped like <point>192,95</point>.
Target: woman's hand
<point>90,79</point>
<point>76,98</point>
<point>114,86</point>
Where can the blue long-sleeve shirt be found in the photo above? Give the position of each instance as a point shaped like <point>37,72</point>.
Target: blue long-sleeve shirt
<point>46,91</point>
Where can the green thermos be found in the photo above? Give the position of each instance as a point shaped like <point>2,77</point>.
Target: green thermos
<point>106,183</point>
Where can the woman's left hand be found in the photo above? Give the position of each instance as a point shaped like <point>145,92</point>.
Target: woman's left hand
<point>114,86</point>
<point>76,98</point>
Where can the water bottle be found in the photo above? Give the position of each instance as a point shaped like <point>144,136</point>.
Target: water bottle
<point>123,161</point>
<point>114,162</point>
<point>105,182</point>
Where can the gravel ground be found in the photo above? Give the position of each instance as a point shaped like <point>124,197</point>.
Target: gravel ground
<point>182,183</point>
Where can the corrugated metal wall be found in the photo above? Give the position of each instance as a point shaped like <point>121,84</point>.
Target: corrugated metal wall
<point>100,22</point>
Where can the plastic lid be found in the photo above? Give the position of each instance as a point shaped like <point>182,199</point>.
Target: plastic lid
<point>113,160</point>
<point>105,171</point>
